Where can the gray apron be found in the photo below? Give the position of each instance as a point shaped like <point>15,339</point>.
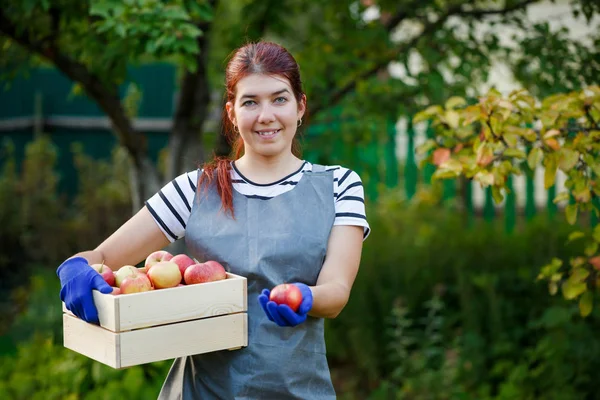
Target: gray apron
<point>283,239</point>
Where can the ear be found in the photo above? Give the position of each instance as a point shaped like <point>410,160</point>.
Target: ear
<point>302,106</point>
<point>230,113</point>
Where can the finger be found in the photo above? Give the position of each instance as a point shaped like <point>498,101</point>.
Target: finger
<point>272,307</point>
<point>100,284</point>
<point>90,313</point>
<point>289,315</point>
<point>305,306</point>
<point>263,300</point>
<point>266,292</point>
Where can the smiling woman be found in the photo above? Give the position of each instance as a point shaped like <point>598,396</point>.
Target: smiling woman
<point>265,214</point>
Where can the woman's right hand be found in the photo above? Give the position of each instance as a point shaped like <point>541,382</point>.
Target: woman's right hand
<point>77,280</point>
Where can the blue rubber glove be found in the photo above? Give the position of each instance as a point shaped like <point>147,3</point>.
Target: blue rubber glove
<point>282,314</point>
<point>77,280</point>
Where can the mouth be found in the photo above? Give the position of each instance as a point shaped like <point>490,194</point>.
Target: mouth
<point>268,134</point>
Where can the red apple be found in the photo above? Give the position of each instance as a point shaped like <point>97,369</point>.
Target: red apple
<point>183,261</point>
<point>136,284</point>
<point>164,274</point>
<point>116,291</point>
<point>287,293</point>
<point>125,272</point>
<point>156,257</point>
<point>204,272</point>
<point>106,272</point>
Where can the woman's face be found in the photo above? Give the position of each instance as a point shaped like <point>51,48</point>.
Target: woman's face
<point>266,113</point>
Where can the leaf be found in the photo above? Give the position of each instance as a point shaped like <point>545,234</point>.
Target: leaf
<point>452,119</point>
<point>562,196</point>
<point>455,101</point>
<point>591,249</point>
<point>427,114</point>
<point>534,158</point>
<point>579,275</point>
<point>552,288</point>
<point>570,290</point>
<point>516,153</point>
<point>586,303</point>
<point>575,235</point>
<point>497,194</point>
<point>551,133</point>
<point>425,147</point>
<point>440,156</point>
<point>568,159</point>
<point>553,144</point>
<point>596,233</point>
<point>549,173</point>
<point>511,139</point>
<point>595,262</point>
<point>571,213</point>
<point>485,155</point>
<point>485,178</point>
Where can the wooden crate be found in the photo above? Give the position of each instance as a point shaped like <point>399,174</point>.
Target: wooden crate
<point>162,324</point>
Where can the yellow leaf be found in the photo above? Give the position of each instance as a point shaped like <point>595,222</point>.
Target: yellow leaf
<point>571,213</point>
<point>562,196</point>
<point>572,290</point>
<point>586,303</point>
<point>534,158</point>
<point>568,159</point>
<point>549,174</point>
<point>452,119</point>
<point>484,178</point>
<point>551,133</point>
<point>515,153</point>
<point>455,101</point>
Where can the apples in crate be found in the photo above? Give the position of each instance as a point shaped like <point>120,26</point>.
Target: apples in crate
<point>157,316</point>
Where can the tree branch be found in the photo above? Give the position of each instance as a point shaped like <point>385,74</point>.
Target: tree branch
<point>429,28</point>
<point>105,95</point>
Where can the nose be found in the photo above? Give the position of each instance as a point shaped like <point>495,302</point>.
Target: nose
<point>266,115</point>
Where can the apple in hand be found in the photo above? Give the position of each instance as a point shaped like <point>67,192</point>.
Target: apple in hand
<point>287,293</point>
<point>164,274</point>
<point>183,261</point>
<point>209,271</point>
<point>125,272</point>
<point>156,257</point>
<point>106,272</point>
<point>136,284</point>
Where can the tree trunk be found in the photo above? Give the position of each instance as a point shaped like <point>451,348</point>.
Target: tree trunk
<point>185,141</point>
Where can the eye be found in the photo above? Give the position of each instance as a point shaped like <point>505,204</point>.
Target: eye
<point>280,100</point>
<point>248,103</point>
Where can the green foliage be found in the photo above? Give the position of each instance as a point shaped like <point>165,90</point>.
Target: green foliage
<point>37,225</point>
<point>105,36</point>
<point>503,136</point>
<point>487,327</point>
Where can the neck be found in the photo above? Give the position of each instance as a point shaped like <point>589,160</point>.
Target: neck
<point>267,170</point>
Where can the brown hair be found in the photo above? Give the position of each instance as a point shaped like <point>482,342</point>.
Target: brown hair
<point>254,58</point>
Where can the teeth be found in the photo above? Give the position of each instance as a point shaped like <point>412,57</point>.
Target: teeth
<point>268,133</point>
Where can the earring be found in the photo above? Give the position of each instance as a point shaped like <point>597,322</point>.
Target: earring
<point>299,122</point>
<point>235,129</point>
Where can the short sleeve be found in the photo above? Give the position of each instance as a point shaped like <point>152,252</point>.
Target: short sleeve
<point>349,199</point>
<point>172,205</point>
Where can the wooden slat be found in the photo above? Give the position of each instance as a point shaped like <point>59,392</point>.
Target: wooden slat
<point>126,349</point>
<point>164,306</point>
<point>90,340</point>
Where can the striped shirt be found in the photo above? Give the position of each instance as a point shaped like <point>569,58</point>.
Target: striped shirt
<point>172,205</point>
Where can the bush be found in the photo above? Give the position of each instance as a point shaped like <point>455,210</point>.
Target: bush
<point>497,320</point>
<point>39,225</point>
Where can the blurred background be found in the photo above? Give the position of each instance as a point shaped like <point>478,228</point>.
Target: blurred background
<point>105,101</point>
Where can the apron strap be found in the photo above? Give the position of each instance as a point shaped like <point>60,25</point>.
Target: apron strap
<point>318,168</point>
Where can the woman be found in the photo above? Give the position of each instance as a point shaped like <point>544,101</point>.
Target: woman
<point>268,216</point>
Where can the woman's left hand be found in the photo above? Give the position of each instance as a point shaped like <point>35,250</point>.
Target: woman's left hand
<point>282,314</point>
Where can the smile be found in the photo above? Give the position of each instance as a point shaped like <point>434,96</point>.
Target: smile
<point>268,134</point>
